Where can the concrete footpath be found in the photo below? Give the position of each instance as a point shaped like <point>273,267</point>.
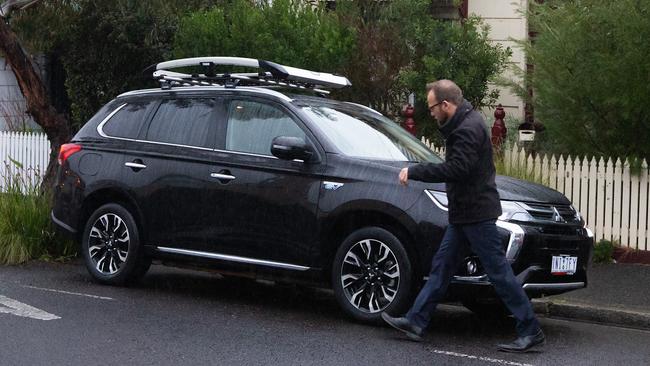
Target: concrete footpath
<point>616,294</point>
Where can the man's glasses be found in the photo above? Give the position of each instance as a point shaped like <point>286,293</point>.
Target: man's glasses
<point>433,106</point>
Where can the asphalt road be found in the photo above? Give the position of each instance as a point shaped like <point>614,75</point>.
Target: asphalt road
<point>181,317</point>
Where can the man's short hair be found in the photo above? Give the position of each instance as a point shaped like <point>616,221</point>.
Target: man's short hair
<point>446,90</point>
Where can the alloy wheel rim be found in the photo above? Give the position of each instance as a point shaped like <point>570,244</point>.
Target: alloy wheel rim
<point>370,275</point>
<point>108,243</point>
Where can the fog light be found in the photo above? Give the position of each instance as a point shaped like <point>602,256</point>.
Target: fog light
<point>472,267</point>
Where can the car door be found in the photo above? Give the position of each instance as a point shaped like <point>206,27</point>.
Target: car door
<point>169,173</point>
<point>269,206</point>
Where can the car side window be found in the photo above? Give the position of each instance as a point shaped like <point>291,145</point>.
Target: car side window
<point>253,125</point>
<point>183,121</point>
<point>128,121</point>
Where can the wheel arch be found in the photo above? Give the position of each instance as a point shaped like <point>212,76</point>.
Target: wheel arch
<point>104,196</point>
<point>346,222</point>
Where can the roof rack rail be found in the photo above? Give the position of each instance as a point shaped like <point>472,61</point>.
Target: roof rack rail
<point>270,74</point>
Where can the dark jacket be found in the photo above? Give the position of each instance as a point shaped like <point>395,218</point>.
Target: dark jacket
<point>468,169</point>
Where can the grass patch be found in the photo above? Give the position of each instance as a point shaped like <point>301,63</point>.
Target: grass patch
<point>26,231</point>
<point>604,251</point>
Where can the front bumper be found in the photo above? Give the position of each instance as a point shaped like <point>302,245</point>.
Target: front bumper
<point>530,249</point>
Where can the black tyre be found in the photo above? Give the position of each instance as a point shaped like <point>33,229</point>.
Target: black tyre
<point>372,273</point>
<point>111,246</point>
<point>492,308</point>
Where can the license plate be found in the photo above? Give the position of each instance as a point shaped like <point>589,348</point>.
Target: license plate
<point>564,265</point>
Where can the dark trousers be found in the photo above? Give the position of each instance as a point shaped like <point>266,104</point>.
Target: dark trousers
<point>484,240</point>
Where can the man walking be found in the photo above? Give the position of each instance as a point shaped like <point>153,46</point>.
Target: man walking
<point>474,206</point>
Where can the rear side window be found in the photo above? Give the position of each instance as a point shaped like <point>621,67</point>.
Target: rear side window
<point>183,122</point>
<point>252,126</point>
<point>128,121</point>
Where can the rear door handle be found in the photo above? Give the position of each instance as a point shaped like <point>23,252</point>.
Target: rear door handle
<point>136,165</point>
<point>222,176</point>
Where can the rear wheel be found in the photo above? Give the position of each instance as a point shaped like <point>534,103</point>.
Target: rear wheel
<point>111,246</point>
<point>372,273</point>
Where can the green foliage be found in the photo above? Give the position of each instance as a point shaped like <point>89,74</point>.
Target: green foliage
<point>387,49</point>
<point>604,250</point>
<point>590,75</point>
<point>26,231</point>
<point>401,46</point>
<point>285,31</point>
<point>103,45</point>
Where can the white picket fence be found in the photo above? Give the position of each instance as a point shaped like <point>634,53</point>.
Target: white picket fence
<point>612,199</point>
<point>30,150</point>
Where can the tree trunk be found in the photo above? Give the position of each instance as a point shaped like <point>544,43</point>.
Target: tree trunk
<point>54,124</point>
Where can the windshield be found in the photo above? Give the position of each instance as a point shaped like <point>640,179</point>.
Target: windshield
<point>361,132</point>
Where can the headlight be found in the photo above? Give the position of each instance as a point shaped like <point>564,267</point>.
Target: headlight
<point>439,199</point>
<point>512,211</point>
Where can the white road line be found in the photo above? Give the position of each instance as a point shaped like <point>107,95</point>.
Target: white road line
<point>18,308</point>
<point>480,358</point>
<point>70,293</point>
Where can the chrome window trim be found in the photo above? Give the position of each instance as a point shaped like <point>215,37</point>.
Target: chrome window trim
<point>233,258</point>
<point>249,154</point>
<point>209,88</point>
<point>100,131</point>
<point>100,127</point>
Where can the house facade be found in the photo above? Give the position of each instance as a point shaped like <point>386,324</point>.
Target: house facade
<point>507,22</point>
<point>13,107</point>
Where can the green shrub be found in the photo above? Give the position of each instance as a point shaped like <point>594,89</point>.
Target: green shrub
<point>603,251</point>
<point>26,231</point>
<point>590,79</point>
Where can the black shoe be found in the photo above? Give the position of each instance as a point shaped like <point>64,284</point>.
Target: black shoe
<point>524,344</point>
<point>412,331</point>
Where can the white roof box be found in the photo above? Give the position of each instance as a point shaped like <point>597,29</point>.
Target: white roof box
<point>268,70</point>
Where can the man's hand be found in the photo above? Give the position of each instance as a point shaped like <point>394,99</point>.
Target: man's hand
<point>404,176</point>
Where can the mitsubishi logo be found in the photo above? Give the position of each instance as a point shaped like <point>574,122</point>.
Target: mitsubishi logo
<point>556,216</point>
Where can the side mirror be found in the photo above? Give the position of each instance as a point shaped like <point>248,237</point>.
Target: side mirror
<point>290,148</point>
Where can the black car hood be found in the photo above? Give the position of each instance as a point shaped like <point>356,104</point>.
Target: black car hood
<point>512,189</point>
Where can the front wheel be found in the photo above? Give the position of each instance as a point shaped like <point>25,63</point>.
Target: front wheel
<point>372,273</point>
<point>111,246</point>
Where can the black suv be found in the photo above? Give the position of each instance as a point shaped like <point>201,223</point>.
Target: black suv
<point>212,171</point>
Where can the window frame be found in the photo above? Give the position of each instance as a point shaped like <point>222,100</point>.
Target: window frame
<point>121,105</point>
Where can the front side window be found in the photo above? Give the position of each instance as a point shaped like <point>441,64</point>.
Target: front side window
<point>183,122</point>
<point>128,121</point>
<point>253,125</point>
